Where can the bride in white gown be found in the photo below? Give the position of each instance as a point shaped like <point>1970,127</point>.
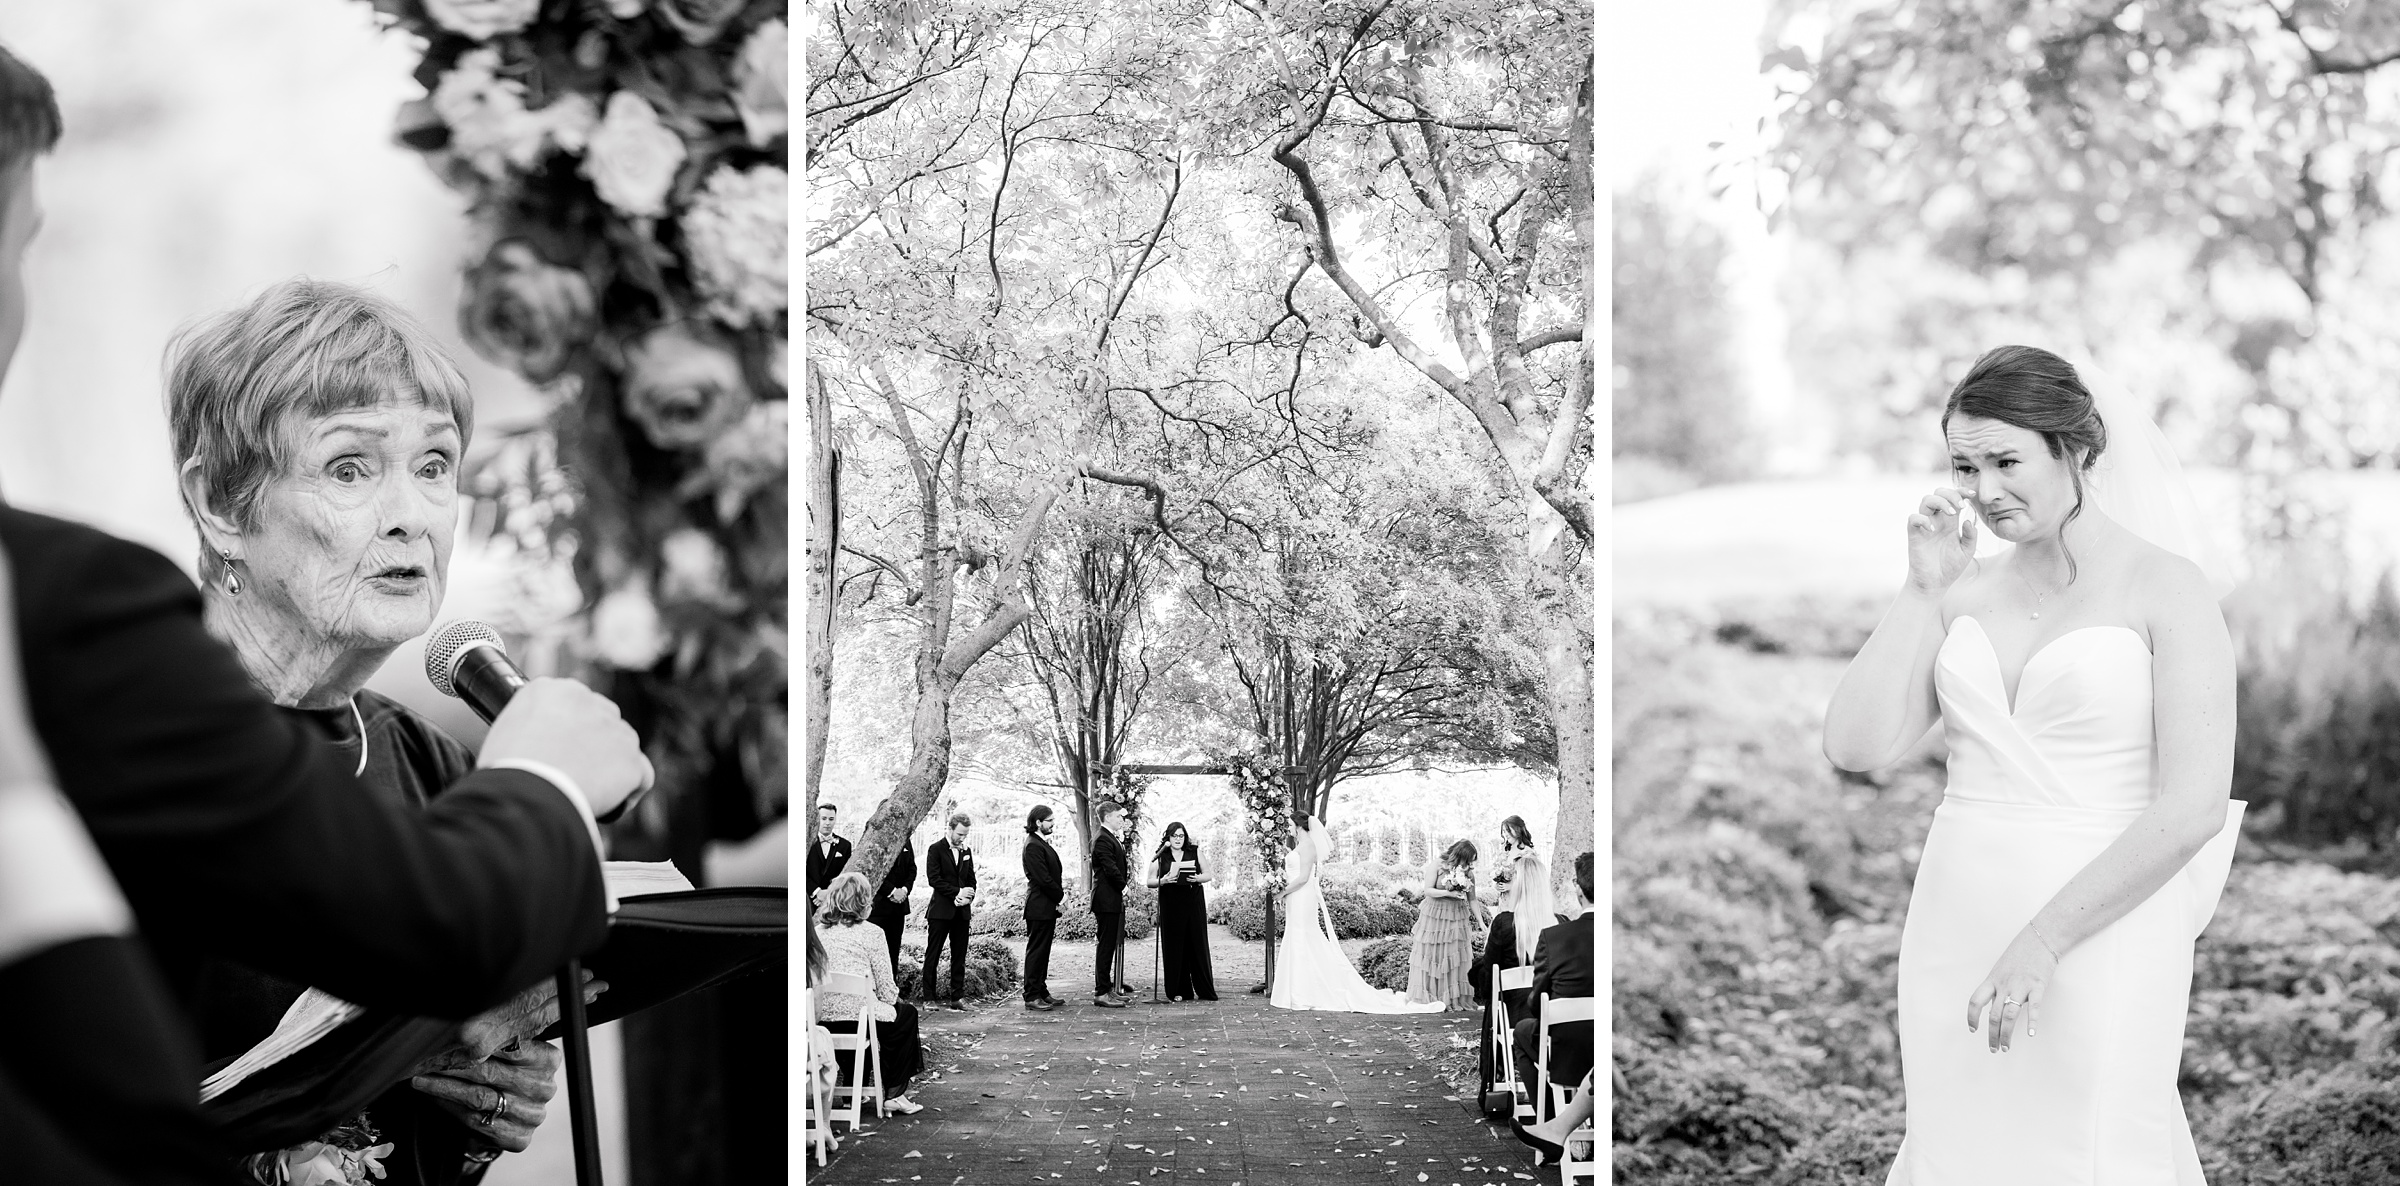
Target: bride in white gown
<point>1310,970</point>
<point>2084,683</point>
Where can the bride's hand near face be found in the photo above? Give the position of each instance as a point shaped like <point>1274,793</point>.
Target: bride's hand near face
<point>1941,540</point>
<point>1885,703</point>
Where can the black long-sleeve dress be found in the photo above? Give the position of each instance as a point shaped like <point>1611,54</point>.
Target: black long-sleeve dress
<point>1183,931</point>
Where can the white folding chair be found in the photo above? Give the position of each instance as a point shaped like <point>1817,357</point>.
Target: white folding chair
<point>1503,1039</point>
<point>1556,1011</point>
<point>866,1052</point>
<point>817,1060</point>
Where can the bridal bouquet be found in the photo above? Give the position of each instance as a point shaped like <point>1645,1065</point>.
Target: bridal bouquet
<point>625,164</point>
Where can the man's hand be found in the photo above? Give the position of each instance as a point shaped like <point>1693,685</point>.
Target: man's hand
<point>561,723</point>
<point>900,896</point>
<point>502,1098</point>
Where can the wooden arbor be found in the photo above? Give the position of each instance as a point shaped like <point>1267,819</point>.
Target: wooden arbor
<point>1294,778</point>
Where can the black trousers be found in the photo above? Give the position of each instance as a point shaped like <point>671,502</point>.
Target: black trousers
<point>1111,925</point>
<point>954,929</point>
<point>1570,1051</point>
<point>1038,933</point>
<point>892,922</point>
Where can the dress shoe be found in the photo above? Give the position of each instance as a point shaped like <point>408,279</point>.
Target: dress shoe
<point>1551,1152</point>
<point>1055,1003</point>
<point>1040,1006</point>
<point>955,1005</point>
<point>1108,1002</point>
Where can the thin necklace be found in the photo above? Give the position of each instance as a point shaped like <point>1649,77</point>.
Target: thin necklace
<point>362,736</point>
<point>2040,597</point>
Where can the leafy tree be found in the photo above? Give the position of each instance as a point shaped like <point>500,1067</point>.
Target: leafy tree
<point>1679,396</point>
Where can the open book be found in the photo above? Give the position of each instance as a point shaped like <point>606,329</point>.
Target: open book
<point>318,1013</point>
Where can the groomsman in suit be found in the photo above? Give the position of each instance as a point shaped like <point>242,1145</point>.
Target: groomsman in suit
<point>1562,968</point>
<point>829,855</point>
<point>950,869</point>
<point>1045,884</point>
<point>891,899</point>
<point>1110,871</point>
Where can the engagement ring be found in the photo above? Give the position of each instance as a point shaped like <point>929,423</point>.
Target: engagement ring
<point>499,1108</point>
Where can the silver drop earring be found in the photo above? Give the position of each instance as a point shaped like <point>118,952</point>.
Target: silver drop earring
<point>233,579</point>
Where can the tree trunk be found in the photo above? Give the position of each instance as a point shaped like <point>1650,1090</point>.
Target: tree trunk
<point>914,795</point>
<point>824,540</point>
<point>1564,604</point>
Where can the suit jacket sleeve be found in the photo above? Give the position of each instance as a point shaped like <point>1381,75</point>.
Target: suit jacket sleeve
<point>901,876</point>
<point>1109,859</point>
<point>1545,959</point>
<point>941,868</point>
<point>234,832</point>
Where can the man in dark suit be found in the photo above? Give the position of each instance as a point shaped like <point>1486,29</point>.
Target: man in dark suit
<point>950,869</point>
<point>829,855</point>
<point>890,910</point>
<point>233,831</point>
<point>1562,968</point>
<point>1110,871</point>
<point>1045,884</point>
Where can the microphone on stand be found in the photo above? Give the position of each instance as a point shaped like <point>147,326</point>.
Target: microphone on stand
<point>468,660</point>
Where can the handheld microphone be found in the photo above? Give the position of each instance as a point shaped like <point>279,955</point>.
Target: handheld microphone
<point>468,660</point>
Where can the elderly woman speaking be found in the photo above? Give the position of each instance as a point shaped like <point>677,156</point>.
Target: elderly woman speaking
<point>320,431</point>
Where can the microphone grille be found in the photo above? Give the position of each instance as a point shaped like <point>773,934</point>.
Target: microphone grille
<point>444,648</point>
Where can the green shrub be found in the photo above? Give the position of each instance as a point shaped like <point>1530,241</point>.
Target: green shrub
<point>1357,913</point>
<point>2338,1129</point>
<point>1697,1118</point>
<point>991,968</point>
<point>2317,709</point>
<point>1075,914</point>
<point>1856,1151</point>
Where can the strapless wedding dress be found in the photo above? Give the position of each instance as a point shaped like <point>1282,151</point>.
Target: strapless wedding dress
<point>1311,972</point>
<point>2037,789</point>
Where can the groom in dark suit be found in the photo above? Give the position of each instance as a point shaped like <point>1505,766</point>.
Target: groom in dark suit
<point>1045,884</point>
<point>1109,874</point>
<point>1562,968</point>
<point>830,854</point>
<point>950,869</point>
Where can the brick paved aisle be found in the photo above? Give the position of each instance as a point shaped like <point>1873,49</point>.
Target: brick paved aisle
<point>1206,1094</point>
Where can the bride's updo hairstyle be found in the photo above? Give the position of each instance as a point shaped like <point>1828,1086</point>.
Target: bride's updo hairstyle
<point>2039,392</point>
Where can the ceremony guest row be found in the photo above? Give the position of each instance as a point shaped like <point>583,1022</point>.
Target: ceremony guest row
<point>201,813</point>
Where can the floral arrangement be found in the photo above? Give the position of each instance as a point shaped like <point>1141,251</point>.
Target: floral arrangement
<point>349,1155</point>
<point>625,164</point>
<point>1124,791</point>
<point>1266,805</point>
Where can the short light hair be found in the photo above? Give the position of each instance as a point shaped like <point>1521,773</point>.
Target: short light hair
<point>1110,809</point>
<point>829,807</point>
<point>845,901</point>
<point>300,350</point>
<point>960,817</point>
<point>29,120</point>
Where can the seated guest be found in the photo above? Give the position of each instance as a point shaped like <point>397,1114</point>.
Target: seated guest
<point>853,949</point>
<point>1516,930</point>
<point>1562,968</point>
<point>232,830</point>
<point>321,430</point>
<point>1550,1138</point>
<point>891,899</point>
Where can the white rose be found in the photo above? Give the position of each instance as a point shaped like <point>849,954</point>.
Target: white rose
<point>489,125</point>
<point>571,121</point>
<point>483,19</point>
<point>626,631</point>
<point>694,567</point>
<point>762,83</point>
<point>736,232</point>
<point>632,157</point>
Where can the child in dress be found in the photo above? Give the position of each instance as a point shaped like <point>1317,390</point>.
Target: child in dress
<point>1443,949</point>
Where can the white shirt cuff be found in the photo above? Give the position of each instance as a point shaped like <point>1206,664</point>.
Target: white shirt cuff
<point>583,807</point>
<point>53,885</point>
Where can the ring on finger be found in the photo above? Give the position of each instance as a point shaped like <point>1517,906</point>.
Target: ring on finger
<point>499,1108</point>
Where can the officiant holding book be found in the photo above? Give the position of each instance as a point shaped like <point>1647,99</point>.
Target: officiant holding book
<point>1176,874</point>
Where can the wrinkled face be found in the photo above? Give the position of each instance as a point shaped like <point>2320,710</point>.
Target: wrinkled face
<point>352,541</point>
<point>2019,489</point>
<point>20,217</point>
